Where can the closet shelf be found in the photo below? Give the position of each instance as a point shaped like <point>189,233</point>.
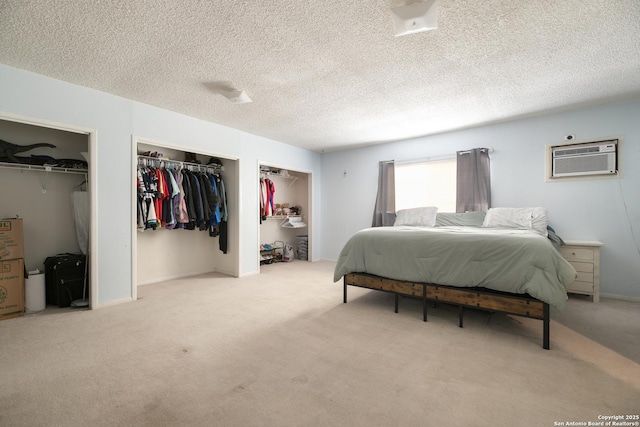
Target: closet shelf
<point>281,175</point>
<point>39,168</point>
<point>282,216</point>
<point>265,174</point>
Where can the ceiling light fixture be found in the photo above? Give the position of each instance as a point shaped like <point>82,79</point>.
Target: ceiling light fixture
<point>415,17</point>
<point>236,96</point>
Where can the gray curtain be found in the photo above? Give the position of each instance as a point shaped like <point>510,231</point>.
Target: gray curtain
<point>385,209</point>
<point>474,180</point>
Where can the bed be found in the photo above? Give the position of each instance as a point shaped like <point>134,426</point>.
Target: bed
<point>505,262</point>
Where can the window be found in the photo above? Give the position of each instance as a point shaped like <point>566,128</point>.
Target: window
<point>430,183</point>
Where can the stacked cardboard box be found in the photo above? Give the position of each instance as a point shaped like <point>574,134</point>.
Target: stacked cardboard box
<point>11,268</point>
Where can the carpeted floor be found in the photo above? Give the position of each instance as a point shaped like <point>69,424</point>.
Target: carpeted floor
<point>281,349</point>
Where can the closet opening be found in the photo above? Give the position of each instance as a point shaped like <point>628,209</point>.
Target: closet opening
<point>48,191</point>
<point>285,219</point>
<point>185,214</point>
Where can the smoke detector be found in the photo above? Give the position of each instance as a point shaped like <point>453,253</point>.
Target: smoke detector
<point>236,96</point>
<point>415,17</point>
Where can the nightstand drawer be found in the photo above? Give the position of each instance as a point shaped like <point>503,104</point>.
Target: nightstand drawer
<point>576,254</point>
<point>579,286</point>
<point>584,276</point>
<point>586,267</point>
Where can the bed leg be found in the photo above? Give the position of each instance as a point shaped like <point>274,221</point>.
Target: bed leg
<point>545,332</point>
<point>396,302</point>
<point>460,315</point>
<point>424,302</point>
<point>345,290</point>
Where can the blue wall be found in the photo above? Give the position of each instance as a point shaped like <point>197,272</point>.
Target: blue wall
<point>591,209</point>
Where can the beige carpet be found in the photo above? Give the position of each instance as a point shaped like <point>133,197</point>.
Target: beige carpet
<point>281,349</point>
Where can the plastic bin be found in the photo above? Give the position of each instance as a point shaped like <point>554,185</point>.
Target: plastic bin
<point>34,293</point>
<point>302,247</point>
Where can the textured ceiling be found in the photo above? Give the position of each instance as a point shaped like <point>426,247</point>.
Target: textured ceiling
<point>327,74</point>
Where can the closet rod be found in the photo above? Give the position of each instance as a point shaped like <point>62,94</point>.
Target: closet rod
<point>42,168</point>
<point>186,165</point>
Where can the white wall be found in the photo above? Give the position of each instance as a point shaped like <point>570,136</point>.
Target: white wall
<point>578,210</point>
<point>116,120</point>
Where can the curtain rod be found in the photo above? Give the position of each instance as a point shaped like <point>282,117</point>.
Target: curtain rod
<point>449,156</point>
<point>482,149</point>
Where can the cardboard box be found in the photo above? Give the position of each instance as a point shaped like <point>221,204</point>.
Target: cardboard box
<point>11,288</point>
<point>11,239</point>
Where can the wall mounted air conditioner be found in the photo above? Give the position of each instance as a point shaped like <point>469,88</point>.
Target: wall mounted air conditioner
<point>598,158</point>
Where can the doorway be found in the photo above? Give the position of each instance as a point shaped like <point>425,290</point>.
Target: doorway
<point>285,215</point>
<point>167,253</point>
<point>43,182</point>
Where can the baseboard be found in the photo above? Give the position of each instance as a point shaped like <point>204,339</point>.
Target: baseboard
<point>250,273</point>
<point>226,273</point>
<point>114,302</point>
<point>620,297</point>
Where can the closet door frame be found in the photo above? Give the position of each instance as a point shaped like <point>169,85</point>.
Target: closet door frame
<point>92,141</point>
<point>135,140</point>
<point>309,215</point>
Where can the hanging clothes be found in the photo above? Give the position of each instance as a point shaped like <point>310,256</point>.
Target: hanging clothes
<point>174,191</point>
<point>263,199</point>
<point>271,190</point>
<point>223,196</point>
<point>224,233</point>
<point>190,204</point>
<point>147,190</point>
<point>215,217</point>
<point>267,191</point>
<point>182,217</point>
<point>173,198</point>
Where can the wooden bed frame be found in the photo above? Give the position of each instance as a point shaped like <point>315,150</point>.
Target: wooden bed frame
<point>479,298</point>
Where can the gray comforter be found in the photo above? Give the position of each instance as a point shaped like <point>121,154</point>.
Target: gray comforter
<point>509,260</point>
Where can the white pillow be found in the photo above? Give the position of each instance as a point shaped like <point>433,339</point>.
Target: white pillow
<point>418,217</point>
<point>533,218</point>
<point>540,220</point>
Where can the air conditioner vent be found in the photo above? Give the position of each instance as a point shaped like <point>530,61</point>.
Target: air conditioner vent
<point>568,152</point>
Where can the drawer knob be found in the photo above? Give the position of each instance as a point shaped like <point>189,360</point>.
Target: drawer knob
<point>573,253</point>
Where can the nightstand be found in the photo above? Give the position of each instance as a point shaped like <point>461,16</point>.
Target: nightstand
<point>584,256</point>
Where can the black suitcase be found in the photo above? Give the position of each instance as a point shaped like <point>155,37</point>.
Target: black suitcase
<point>64,276</point>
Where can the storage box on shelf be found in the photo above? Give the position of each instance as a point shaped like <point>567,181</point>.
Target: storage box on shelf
<point>11,239</point>
<point>584,256</point>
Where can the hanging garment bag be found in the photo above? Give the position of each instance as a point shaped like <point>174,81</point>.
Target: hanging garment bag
<point>65,279</point>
